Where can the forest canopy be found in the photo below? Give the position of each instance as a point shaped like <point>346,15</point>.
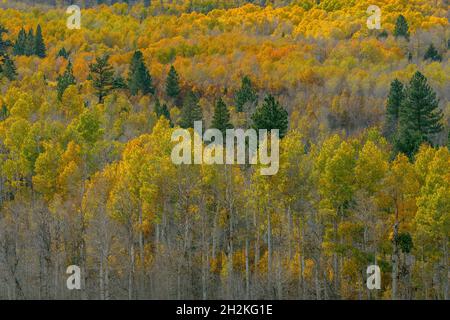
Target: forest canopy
<point>86,178</point>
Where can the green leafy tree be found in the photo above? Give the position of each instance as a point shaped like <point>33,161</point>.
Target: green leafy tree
<point>401,27</point>
<point>102,75</point>
<point>246,94</point>
<point>172,84</point>
<point>139,79</point>
<point>420,116</point>
<point>190,111</point>
<point>39,45</point>
<point>221,118</point>
<point>65,80</point>
<point>271,115</point>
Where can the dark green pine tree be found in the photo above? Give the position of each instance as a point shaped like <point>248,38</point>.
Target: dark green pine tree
<point>162,111</point>
<point>63,53</point>
<point>65,80</point>
<point>246,94</point>
<point>4,112</point>
<point>139,79</point>
<point>119,83</point>
<point>432,54</point>
<point>401,27</point>
<point>419,117</point>
<point>172,84</point>
<point>20,44</point>
<point>448,140</point>
<point>8,68</point>
<point>271,115</point>
<point>190,111</point>
<point>4,44</point>
<point>29,43</point>
<point>39,45</point>
<point>221,118</point>
<point>102,76</point>
<point>394,101</point>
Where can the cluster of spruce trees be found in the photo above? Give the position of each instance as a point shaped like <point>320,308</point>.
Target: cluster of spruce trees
<point>27,43</point>
<point>30,43</point>
<point>402,31</point>
<point>271,115</point>
<point>413,115</point>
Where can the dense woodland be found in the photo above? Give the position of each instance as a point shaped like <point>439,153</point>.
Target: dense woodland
<point>86,178</point>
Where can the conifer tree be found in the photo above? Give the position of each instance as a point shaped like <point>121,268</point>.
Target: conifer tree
<point>246,94</point>
<point>139,79</point>
<point>3,112</point>
<point>102,75</point>
<point>162,110</point>
<point>20,44</point>
<point>271,115</point>
<point>419,118</point>
<point>63,53</point>
<point>172,84</point>
<point>448,140</point>
<point>65,80</point>
<point>190,111</point>
<point>221,118</point>
<point>39,45</point>
<point>4,44</point>
<point>432,54</point>
<point>8,68</point>
<point>29,43</point>
<point>401,27</point>
<point>395,99</point>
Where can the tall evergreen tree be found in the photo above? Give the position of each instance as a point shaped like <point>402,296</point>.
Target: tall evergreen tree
<point>8,68</point>
<point>432,54</point>
<point>271,115</point>
<point>4,44</point>
<point>394,101</point>
<point>63,53</point>
<point>419,118</point>
<point>190,111</point>
<point>3,112</point>
<point>139,79</point>
<point>39,45</point>
<point>172,84</point>
<point>20,44</point>
<point>162,110</point>
<point>29,43</point>
<point>448,140</point>
<point>246,94</point>
<point>65,80</point>
<point>221,118</point>
<point>102,75</point>
<point>401,27</point>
